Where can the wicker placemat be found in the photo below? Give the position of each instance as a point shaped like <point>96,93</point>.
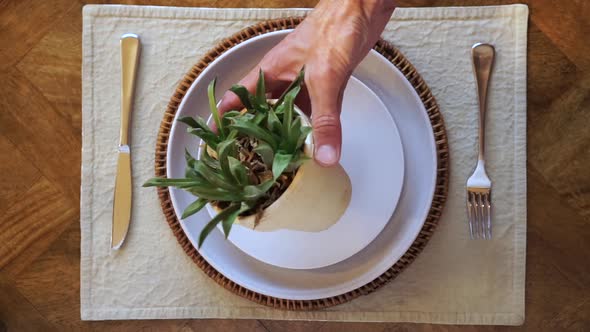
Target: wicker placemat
<point>438,128</point>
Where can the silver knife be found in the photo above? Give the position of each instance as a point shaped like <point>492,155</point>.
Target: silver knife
<point>122,201</point>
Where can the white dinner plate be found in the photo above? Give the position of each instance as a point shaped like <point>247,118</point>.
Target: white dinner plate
<point>371,204</point>
<point>420,162</point>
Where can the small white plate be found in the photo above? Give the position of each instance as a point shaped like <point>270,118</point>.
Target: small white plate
<point>420,159</point>
<point>372,157</point>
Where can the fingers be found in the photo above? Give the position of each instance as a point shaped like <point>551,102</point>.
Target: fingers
<point>326,102</point>
<point>230,100</point>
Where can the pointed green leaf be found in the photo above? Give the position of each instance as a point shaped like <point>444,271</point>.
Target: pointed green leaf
<point>231,114</point>
<point>228,222</point>
<point>291,140</point>
<point>209,138</point>
<point>273,123</point>
<point>190,172</point>
<point>213,177</point>
<point>265,152</point>
<point>288,114</point>
<point>189,121</point>
<point>265,186</point>
<point>216,220</point>
<point>280,162</point>
<point>228,116</point>
<point>296,83</point>
<point>190,160</point>
<point>259,118</point>
<point>197,123</point>
<point>252,130</point>
<point>216,194</point>
<point>209,161</point>
<point>193,208</point>
<point>224,150</point>
<point>165,182</point>
<point>213,108</point>
<point>253,193</point>
<point>303,133</point>
<point>233,134</point>
<point>238,171</point>
<point>244,95</point>
<point>296,162</point>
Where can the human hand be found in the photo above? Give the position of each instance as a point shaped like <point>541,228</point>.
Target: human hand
<point>330,43</point>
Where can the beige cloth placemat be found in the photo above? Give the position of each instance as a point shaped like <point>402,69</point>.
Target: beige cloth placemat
<point>454,280</point>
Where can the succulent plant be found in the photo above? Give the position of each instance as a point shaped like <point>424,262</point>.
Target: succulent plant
<point>249,161</point>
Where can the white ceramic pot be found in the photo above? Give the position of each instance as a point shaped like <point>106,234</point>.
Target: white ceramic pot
<point>315,200</point>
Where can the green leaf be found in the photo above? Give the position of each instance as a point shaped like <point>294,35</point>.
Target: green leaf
<point>232,134</point>
<point>280,163</point>
<point>213,177</point>
<point>209,161</point>
<point>189,121</point>
<point>216,220</point>
<point>228,116</point>
<point>193,208</point>
<point>213,107</point>
<point>238,171</point>
<point>291,140</point>
<point>259,118</point>
<point>296,162</point>
<point>280,110</point>
<point>253,193</point>
<point>288,116</point>
<point>190,173</point>
<point>197,123</point>
<point>216,194</point>
<point>252,130</point>
<point>273,123</point>
<point>165,182</point>
<point>261,89</point>
<point>231,114</point>
<point>228,222</point>
<point>265,186</point>
<point>224,150</point>
<point>303,133</point>
<point>209,138</point>
<point>296,83</point>
<point>190,160</point>
<point>244,95</point>
<point>265,152</point>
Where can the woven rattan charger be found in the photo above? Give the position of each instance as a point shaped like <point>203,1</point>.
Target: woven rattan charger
<point>438,128</point>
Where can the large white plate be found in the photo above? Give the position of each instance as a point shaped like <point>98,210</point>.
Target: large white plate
<point>371,159</point>
<point>420,161</point>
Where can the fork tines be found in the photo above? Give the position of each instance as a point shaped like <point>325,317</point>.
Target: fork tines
<point>479,211</point>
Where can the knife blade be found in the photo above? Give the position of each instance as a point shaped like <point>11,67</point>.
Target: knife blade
<point>130,47</point>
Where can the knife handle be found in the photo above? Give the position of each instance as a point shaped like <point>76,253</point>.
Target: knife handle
<point>129,59</point>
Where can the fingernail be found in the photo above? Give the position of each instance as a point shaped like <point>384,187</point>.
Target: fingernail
<point>326,155</point>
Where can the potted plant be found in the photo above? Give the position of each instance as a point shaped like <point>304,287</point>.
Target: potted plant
<point>256,168</point>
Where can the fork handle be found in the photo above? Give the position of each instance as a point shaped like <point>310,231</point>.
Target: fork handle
<point>482,56</point>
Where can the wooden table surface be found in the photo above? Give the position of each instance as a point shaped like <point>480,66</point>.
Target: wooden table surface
<point>40,143</point>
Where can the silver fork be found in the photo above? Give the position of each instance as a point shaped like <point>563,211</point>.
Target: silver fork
<point>479,186</point>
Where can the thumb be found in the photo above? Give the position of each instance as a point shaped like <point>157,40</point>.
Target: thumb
<point>326,103</point>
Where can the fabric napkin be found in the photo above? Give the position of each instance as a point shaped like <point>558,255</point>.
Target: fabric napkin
<point>454,280</point>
